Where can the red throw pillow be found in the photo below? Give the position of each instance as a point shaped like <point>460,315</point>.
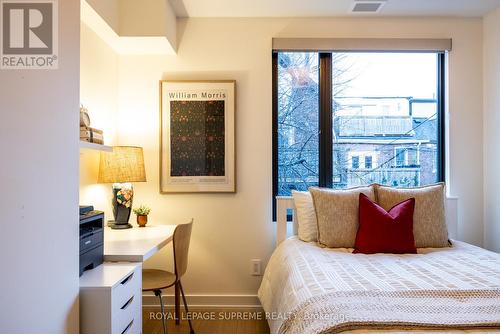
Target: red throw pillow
<point>380,231</point>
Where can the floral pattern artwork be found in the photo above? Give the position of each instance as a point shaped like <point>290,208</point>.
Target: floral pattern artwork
<point>124,197</point>
<point>197,138</point>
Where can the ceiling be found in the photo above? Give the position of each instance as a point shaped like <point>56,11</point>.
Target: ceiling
<point>312,8</point>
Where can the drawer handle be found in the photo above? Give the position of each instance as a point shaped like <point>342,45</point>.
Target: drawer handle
<point>127,279</point>
<point>128,327</point>
<point>127,303</point>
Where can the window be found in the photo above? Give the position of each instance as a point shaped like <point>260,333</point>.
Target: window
<point>298,122</point>
<point>360,159</point>
<point>413,157</point>
<point>368,162</point>
<point>355,162</point>
<point>401,157</point>
<point>353,118</point>
<point>407,157</point>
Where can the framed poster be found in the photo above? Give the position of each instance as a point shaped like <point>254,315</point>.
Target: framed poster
<point>197,136</point>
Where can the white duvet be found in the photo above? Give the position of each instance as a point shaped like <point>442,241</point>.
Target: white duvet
<point>298,271</point>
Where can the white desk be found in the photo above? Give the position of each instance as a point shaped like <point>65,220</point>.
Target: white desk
<point>136,244</point>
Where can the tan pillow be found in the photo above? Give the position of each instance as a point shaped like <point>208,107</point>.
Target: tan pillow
<point>337,212</point>
<point>429,222</point>
<point>306,216</point>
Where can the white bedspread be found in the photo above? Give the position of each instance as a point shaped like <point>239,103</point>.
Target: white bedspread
<point>298,271</point>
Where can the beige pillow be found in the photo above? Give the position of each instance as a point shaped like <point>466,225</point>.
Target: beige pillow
<point>306,216</point>
<point>337,212</point>
<point>429,222</point>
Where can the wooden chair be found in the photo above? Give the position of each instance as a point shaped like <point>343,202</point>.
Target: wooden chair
<point>155,280</point>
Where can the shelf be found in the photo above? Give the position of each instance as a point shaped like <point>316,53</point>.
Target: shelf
<point>95,147</point>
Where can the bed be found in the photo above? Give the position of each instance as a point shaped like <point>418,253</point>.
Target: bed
<point>308,289</point>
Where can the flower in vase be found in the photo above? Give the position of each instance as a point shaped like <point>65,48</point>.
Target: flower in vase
<point>124,197</point>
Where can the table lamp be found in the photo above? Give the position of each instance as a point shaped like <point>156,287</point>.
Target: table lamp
<point>125,164</point>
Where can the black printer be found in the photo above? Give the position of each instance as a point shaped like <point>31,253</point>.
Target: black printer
<point>91,238</point>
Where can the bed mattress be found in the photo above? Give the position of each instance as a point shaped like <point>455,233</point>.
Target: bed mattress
<point>298,272</point>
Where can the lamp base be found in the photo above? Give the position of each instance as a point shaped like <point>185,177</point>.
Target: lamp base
<point>118,226</point>
<point>123,195</point>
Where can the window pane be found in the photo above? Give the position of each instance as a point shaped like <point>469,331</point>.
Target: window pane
<point>355,162</point>
<point>400,155</point>
<point>368,162</point>
<point>298,115</point>
<point>384,111</point>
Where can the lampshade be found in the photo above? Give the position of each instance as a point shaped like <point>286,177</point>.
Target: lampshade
<point>124,164</point>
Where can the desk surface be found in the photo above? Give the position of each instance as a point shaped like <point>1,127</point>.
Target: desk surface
<point>136,244</point>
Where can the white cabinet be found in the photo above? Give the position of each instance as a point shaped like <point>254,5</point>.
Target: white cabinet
<point>111,299</point>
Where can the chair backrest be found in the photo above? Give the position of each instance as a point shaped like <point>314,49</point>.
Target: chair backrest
<point>182,236</point>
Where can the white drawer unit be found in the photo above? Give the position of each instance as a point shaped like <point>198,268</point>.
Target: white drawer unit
<point>111,299</point>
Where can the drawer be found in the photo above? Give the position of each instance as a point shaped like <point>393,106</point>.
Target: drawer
<point>130,312</point>
<point>126,288</point>
<point>90,241</point>
<point>131,328</point>
<point>106,303</point>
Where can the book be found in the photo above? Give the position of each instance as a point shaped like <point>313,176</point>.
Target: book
<point>88,128</point>
<point>90,140</point>
<point>90,134</point>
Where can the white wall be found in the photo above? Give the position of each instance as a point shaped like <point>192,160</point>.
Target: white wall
<point>491,130</point>
<point>39,184</point>
<point>231,229</point>
<point>99,94</point>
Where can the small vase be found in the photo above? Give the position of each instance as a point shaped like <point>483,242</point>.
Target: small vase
<point>142,220</point>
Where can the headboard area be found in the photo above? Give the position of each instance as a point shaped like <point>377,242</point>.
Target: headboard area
<point>284,203</point>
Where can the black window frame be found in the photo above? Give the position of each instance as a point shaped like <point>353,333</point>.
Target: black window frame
<point>325,120</point>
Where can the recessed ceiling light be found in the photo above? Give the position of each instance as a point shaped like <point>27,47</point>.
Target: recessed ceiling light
<point>367,6</point>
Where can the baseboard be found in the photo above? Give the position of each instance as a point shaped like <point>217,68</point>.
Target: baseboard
<point>207,301</point>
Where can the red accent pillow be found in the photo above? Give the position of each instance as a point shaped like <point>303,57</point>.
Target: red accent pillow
<point>383,231</point>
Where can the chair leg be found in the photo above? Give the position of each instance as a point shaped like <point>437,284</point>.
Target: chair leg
<point>177,303</point>
<point>191,330</point>
<point>163,315</point>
